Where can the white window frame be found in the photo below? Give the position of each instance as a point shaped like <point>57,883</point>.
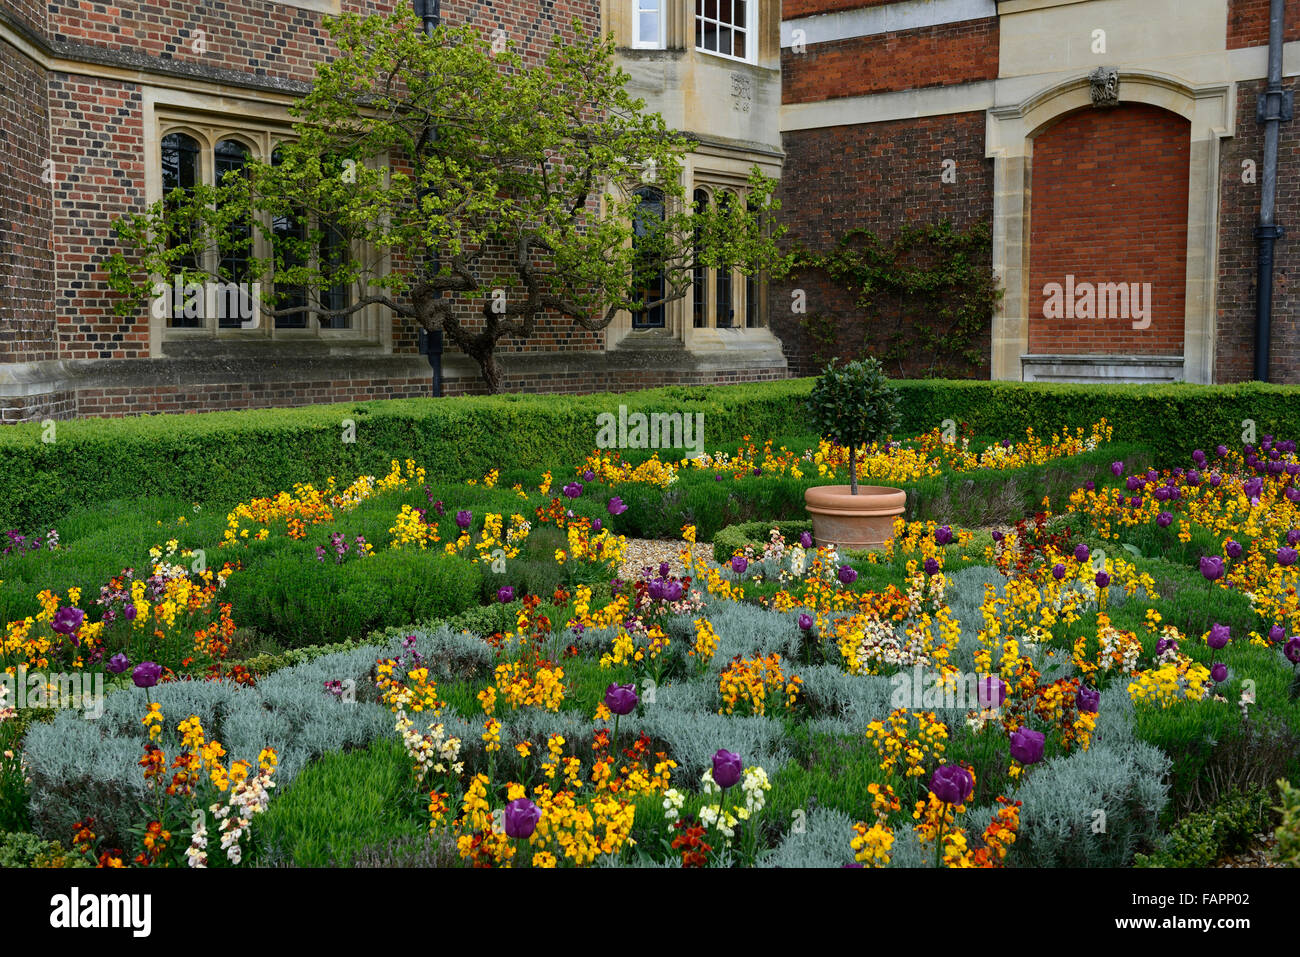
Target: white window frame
<point>640,7</point>
<point>750,30</point>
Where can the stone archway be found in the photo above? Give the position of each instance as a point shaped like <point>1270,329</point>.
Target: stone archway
<point>1194,118</point>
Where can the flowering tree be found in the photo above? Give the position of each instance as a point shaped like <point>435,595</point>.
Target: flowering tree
<point>440,177</point>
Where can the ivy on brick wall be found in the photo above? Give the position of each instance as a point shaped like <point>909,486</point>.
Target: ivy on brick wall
<point>927,293</point>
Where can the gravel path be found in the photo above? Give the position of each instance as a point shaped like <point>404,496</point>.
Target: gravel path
<point>649,551</point>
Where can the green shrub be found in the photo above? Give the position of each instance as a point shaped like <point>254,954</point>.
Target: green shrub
<point>340,805</point>
<point>1287,850</point>
<point>853,405</point>
<point>21,849</point>
<point>230,456</point>
<point>1200,839</point>
<point>754,535</point>
<point>301,601</point>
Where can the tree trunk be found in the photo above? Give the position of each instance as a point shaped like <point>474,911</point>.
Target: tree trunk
<point>853,469</point>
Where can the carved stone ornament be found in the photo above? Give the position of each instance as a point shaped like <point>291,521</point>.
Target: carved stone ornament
<point>1105,86</point>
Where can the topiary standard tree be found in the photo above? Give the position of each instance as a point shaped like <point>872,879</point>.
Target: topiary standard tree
<point>854,405</point>
<point>440,177</point>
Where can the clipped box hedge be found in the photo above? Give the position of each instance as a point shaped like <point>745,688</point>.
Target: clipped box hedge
<point>227,456</point>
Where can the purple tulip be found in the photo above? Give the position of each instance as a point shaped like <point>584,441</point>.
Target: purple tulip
<point>1027,745</point>
<point>621,699</point>
<point>805,540</point>
<point>757,470</point>
<point>1090,485</point>
<point>522,816</point>
<point>1219,636</point>
<point>573,489</point>
<point>991,691</point>
<point>655,589</point>
<point>1215,479</point>
<point>1103,580</point>
<point>1219,672</point>
<point>1276,634</point>
<point>1286,555</point>
<point>664,569</point>
<point>1117,469</point>
<point>1220,450</point>
<point>1232,548</point>
<point>847,575</point>
<point>739,563</point>
<point>129,612</point>
<point>1081,553</point>
<point>1253,487</point>
<point>506,594</point>
<point>1165,644</point>
<point>1086,700</point>
<point>997,536</point>
<point>589,476</point>
<point>146,674</point>
<point>1193,477</point>
<point>118,664</point>
<point>942,535</point>
<point>464,518</point>
<point>1164,519</point>
<point>1292,494</point>
<point>1293,537</point>
<point>1212,567</point>
<point>67,620</point>
<point>806,621</point>
<point>616,506</point>
<point>673,591</point>
<point>1134,483</point>
<point>1198,457</point>
<point>596,525</point>
<point>727,768</point>
<point>952,784</point>
<point>1058,571</point>
<point>1292,649</point>
<point>931,566</point>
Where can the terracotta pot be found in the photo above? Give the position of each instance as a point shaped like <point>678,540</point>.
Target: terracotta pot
<point>846,520</point>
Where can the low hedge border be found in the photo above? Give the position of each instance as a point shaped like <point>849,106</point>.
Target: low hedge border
<point>221,456</point>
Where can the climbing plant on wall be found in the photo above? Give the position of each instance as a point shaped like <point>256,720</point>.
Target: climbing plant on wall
<point>926,296</point>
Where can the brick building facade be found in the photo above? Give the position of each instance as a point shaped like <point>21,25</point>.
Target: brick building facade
<point>872,113</point>
<point>1158,187</point>
<point>101,104</point>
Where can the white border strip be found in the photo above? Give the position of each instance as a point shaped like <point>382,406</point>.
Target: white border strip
<point>869,21</point>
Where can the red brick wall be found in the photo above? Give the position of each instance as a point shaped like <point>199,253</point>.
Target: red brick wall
<point>1109,204</point>
<point>97,140</point>
<point>26,259</point>
<point>876,176</point>
<point>942,55</point>
<point>1238,217</point>
<point>1248,22</point>
<point>806,8</point>
<point>98,133</point>
<point>31,13</point>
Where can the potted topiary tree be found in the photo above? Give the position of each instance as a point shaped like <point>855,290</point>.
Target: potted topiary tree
<point>854,405</point>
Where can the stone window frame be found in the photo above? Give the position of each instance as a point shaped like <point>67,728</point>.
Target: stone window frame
<point>368,326</point>
<point>1009,138</point>
<point>741,285</point>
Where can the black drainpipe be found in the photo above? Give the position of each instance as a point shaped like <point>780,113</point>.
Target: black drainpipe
<point>431,342</point>
<point>1274,107</point>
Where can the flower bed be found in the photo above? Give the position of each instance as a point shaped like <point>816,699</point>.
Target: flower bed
<point>958,698</point>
